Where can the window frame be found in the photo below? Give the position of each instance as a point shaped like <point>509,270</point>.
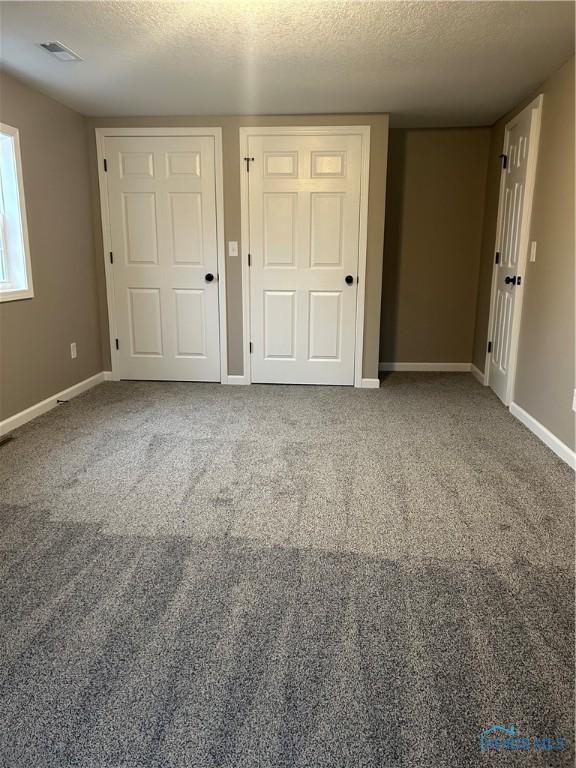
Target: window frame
<point>18,293</point>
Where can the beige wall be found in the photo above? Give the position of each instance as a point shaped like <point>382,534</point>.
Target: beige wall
<point>434,213</point>
<point>35,334</point>
<point>545,371</point>
<point>231,155</point>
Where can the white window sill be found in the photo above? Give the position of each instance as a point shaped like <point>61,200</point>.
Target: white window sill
<point>6,294</point>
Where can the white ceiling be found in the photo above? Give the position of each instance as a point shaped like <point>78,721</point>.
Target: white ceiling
<point>427,63</point>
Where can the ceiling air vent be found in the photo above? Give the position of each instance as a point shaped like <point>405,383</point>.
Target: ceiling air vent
<point>60,51</point>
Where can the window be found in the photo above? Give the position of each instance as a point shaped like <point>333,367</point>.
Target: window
<point>15,274</point>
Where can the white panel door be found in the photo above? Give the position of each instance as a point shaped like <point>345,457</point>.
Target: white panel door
<point>162,211</point>
<point>304,213</point>
<point>520,147</point>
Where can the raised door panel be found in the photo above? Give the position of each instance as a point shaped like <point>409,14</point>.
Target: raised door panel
<point>145,319</point>
<point>504,305</point>
<point>136,165</point>
<point>186,234</point>
<point>139,228</point>
<point>280,165</point>
<point>326,229</point>
<point>514,241</point>
<point>279,330</point>
<point>280,212</point>
<point>190,323</point>
<point>183,164</point>
<point>328,164</point>
<point>325,325</point>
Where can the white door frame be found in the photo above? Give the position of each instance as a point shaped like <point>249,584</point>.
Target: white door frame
<point>328,130</point>
<point>216,133</point>
<point>536,107</point>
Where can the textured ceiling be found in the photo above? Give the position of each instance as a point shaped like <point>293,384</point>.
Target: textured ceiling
<point>427,63</point>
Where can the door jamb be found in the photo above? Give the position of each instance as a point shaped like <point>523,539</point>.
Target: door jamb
<point>364,132</point>
<point>536,120</point>
<point>216,133</point>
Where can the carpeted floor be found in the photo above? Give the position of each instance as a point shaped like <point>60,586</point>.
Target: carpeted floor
<point>202,576</point>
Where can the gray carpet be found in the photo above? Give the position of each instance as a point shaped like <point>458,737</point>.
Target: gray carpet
<point>226,577</point>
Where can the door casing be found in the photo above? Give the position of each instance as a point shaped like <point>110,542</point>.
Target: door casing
<point>328,130</point>
<point>536,108</point>
<point>216,133</point>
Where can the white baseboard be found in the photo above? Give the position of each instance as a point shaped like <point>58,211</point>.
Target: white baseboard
<point>240,380</point>
<point>46,405</point>
<point>370,384</point>
<point>549,439</point>
<point>446,367</point>
<point>477,373</point>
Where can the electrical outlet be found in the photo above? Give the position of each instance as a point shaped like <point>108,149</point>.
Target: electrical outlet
<point>232,248</point>
<point>533,250</point>
<point>73,351</point>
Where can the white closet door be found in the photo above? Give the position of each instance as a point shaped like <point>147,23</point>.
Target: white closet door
<point>520,149</point>
<point>304,212</point>
<point>162,210</point>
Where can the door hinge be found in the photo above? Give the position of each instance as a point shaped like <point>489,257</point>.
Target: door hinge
<point>251,347</point>
<point>489,347</point>
<point>105,165</point>
<point>111,258</point>
<point>117,344</point>
<point>249,260</point>
<point>497,257</point>
<point>504,159</point>
<point>248,160</point>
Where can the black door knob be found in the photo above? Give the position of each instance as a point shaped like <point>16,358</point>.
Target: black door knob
<point>349,279</point>
<point>510,280</point>
<point>209,277</point>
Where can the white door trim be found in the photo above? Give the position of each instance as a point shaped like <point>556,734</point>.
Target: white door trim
<point>536,107</point>
<point>216,133</point>
<point>330,130</point>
